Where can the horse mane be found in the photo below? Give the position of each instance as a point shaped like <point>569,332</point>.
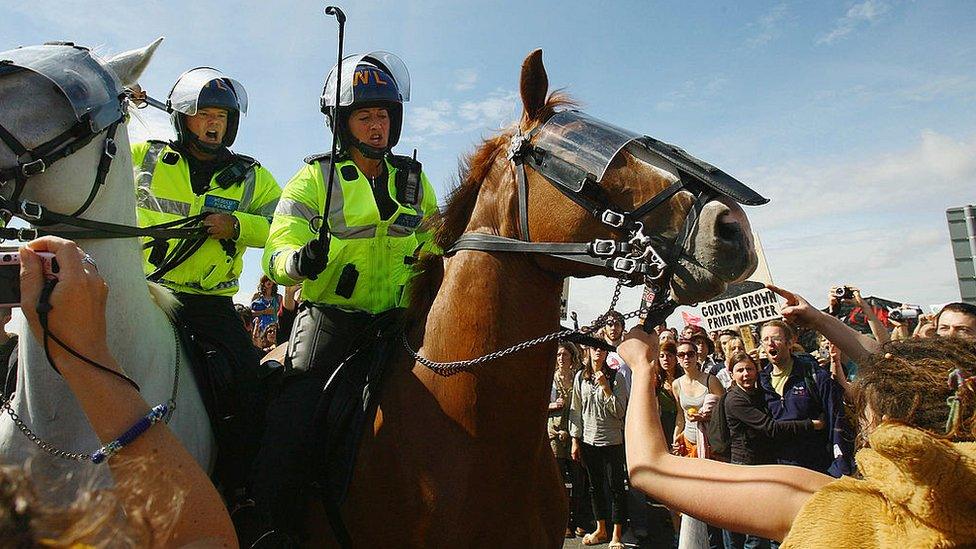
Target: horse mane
<point>449,224</point>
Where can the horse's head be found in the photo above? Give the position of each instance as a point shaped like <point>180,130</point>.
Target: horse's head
<point>681,217</point>
<point>59,104</point>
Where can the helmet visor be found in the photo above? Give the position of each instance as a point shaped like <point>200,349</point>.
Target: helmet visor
<point>91,89</point>
<point>387,62</point>
<point>185,96</point>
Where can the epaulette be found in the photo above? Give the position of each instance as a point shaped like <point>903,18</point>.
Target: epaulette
<point>313,158</point>
<point>402,162</point>
<point>249,160</point>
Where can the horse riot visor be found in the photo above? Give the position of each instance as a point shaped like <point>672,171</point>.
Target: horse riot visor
<point>573,151</point>
<point>95,96</point>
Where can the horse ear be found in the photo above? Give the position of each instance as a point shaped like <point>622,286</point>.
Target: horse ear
<point>128,65</point>
<point>533,86</point>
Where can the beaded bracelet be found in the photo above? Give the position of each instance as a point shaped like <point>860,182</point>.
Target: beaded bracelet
<point>154,416</point>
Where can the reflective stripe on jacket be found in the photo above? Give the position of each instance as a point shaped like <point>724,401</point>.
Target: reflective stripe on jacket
<point>382,252</point>
<point>164,193</point>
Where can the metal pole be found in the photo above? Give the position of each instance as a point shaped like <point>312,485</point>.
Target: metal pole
<point>341,18</point>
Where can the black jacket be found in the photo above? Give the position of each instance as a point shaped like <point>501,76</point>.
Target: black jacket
<point>811,449</point>
<point>753,432</point>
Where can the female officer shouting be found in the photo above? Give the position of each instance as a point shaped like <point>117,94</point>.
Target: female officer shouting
<point>377,206</point>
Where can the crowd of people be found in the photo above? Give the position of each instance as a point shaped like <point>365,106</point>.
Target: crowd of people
<point>719,400</point>
<point>681,417</point>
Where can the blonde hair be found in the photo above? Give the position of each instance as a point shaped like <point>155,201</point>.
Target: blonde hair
<point>96,517</point>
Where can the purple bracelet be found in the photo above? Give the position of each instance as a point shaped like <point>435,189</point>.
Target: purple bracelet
<point>157,414</point>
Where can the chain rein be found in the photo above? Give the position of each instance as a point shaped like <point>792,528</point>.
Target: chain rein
<point>447,369</point>
<point>80,456</point>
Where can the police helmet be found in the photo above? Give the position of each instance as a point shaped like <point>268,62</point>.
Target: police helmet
<point>375,79</point>
<point>204,87</point>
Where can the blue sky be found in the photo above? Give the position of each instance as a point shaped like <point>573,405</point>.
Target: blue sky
<point>855,118</point>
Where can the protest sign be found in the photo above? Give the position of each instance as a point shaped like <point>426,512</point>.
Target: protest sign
<point>748,308</point>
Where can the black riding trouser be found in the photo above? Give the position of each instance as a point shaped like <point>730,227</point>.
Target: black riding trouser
<point>235,398</point>
<point>321,338</point>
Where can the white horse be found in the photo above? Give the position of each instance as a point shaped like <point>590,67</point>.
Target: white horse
<point>140,333</point>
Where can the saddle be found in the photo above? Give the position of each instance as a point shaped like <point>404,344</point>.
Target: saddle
<point>348,403</point>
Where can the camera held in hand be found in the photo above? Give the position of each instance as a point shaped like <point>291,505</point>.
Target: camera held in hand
<point>905,313</point>
<point>843,292</point>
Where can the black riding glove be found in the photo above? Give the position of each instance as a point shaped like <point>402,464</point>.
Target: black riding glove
<point>310,260</point>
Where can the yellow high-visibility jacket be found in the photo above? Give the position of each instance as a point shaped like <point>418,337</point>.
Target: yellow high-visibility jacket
<point>375,254</point>
<point>164,193</point>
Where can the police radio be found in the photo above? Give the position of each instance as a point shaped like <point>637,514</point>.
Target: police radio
<point>407,179</point>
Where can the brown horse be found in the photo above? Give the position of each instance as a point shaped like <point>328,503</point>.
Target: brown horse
<point>463,461</point>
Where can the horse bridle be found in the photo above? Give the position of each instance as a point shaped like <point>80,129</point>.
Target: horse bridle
<point>634,257</point>
<point>35,161</point>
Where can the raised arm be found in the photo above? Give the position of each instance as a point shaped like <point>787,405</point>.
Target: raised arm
<point>878,329</point>
<point>112,405</point>
<point>854,344</point>
<point>709,490</point>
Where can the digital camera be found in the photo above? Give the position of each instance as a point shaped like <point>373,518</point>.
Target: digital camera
<point>10,275</point>
<point>905,312</point>
<point>842,292</point>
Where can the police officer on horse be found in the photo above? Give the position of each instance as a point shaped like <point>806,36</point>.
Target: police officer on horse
<point>354,270</point>
<point>198,177</point>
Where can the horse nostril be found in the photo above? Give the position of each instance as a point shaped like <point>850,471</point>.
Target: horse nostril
<point>728,231</point>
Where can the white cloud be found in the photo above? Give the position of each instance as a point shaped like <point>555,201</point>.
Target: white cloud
<point>768,27</point>
<point>907,261</point>
<point>868,11</point>
<point>437,119</point>
<point>939,87</point>
<point>443,117</point>
<point>938,170</point>
<point>465,79</point>
<point>877,220</point>
<point>495,110</point>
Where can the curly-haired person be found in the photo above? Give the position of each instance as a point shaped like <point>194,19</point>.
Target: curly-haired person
<point>915,402</point>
